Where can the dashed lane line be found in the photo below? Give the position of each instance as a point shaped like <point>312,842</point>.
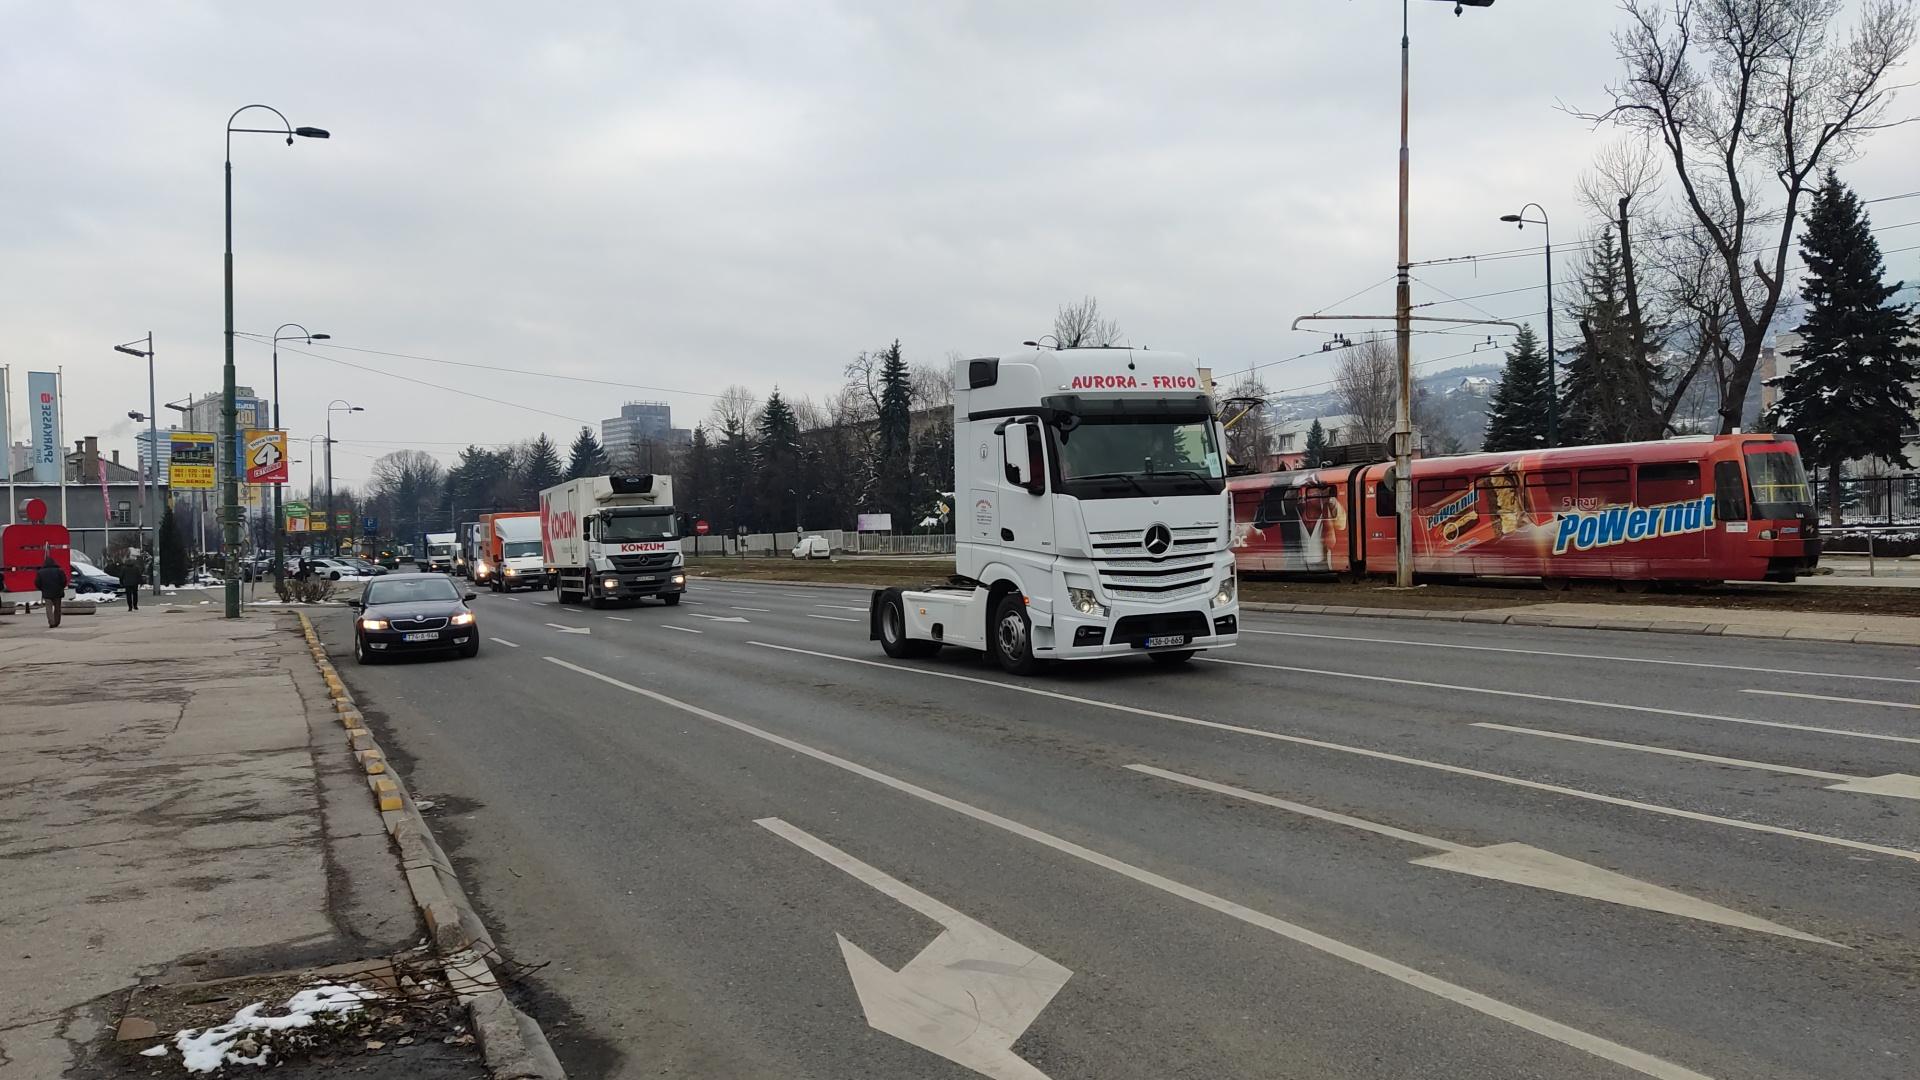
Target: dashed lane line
<point>504,641</point>
<point>835,618</point>
<point>682,629</point>
<point>1828,697</point>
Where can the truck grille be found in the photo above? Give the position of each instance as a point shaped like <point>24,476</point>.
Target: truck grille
<point>658,560</point>
<point>1133,541</point>
<point>1174,578</point>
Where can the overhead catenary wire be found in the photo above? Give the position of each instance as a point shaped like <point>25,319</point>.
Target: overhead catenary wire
<point>260,338</point>
<point>435,386</point>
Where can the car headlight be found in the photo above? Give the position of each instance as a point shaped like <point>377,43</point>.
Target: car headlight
<point>373,624</point>
<point>610,583</point>
<point>465,618</point>
<point>1229,589</point>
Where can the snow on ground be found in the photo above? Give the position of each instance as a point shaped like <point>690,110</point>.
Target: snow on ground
<point>235,1042</point>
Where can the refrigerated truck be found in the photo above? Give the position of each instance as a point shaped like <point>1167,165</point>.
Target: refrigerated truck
<point>607,539</point>
<point>1091,519</point>
<point>510,555</point>
<point>439,552</point>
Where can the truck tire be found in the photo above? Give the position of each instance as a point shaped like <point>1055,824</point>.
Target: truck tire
<point>893,631</point>
<point>671,598</point>
<point>1011,637</point>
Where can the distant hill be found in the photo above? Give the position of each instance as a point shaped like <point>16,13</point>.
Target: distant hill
<point>1453,422</point>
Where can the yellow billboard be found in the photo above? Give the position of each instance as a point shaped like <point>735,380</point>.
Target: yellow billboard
<point>191,464</point>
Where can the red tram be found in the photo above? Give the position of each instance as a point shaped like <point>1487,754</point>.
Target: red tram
<point>1700,509</point>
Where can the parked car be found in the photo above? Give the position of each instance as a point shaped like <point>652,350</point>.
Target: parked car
<point>331,569</point>
<point>813,547</point>
<point>89,580</point>
<point>412,613</point>
<point>365,567</point>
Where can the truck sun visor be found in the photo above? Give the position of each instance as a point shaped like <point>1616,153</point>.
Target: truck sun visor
<point>1184,407</point>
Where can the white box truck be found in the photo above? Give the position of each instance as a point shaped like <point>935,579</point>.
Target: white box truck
<point>612,538</point>
<point>440,548</point>
<point>1091,515</point>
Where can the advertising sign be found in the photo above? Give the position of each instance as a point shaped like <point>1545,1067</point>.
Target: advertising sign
<point>296,513</point>
<point>343,520</point>
<point>266,456</point>
<point>318,524</point>
<point>875,523</point>
<point>192,465</point>
<point>43,424</point>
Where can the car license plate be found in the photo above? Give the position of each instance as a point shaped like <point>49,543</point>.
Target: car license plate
<point>428,635</point>
<point>1166,639</point>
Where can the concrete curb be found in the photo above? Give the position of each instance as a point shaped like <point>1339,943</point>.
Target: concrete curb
<point>512,1043</point>
<point>1515,618</point>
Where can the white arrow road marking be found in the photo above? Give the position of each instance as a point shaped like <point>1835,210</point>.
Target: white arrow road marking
<point>1900,785</point>
<point>1564,700</point>
<point>682,629</point>
<point>1827,697</point>
<point>1520,864</point>
<point>966,997</point>
<point>835,618</point>
<point>1379,755</point>
<point>505,642</point>
<point>1585,1041</point>
<point>571,629</point>
<point>719,618</point>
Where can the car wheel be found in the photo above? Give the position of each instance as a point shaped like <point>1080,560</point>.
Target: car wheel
<point>471,649</point>
<point>335,576</point>
<point>1011,637</point>
<point>362,654</point>
<point>1172,659</point>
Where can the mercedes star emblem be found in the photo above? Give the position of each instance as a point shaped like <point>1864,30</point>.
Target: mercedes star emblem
<point>1157,539</point>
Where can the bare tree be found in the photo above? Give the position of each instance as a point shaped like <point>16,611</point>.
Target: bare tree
<point>933,386</point>
<point>735,408</point>
<point>1366,381</point>
<point>1080,325</point>
<point>1733,91</point>
<point>1249,425</point>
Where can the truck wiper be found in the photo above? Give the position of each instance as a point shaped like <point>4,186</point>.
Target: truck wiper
<point>1128,477</point>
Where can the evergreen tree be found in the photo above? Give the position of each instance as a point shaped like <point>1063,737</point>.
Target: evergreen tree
<point>1850,393</point>
<point>1517,415</point>
<point>1316,446</point>
<point>1607,395</point>
<point>734,474</point>
<point>893,450</point>
<point>694,485</point>
<point>173,549</point>
<point>932,474</point>
<point>779,459</point>
<point>539,469</point>
<point>586,458</point>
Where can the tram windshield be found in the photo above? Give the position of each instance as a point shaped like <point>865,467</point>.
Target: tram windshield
<point>1779,484</point>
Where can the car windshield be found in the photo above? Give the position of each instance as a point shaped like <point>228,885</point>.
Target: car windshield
<point>410,591</point>
<point>638,527</point>
<point>517,548</point>
<point>1119,457</point>
<point>1779,485</point>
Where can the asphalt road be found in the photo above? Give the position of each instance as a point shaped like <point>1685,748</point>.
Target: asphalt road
<point>683,813</point>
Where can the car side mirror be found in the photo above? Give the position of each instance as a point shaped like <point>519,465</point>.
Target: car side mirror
<point>356,605</point>
<point>470,597</point>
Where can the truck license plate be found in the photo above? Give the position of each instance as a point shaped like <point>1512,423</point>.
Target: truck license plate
<point>1166,639</point>
<point>428,635</point>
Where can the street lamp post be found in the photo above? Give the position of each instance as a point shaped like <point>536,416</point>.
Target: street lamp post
<point>279,522</point>
<point>1521,221</point>
<point>150,476</point>
<point>334,406</point>
<point>229,447</point>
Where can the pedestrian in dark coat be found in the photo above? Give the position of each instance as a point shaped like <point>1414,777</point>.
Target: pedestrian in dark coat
<point>130,581</point>
<point>52,583</point>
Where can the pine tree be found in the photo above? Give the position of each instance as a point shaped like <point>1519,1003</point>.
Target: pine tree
<point>778,457</point>
<point>893,449</point>
<point>1607,395</point>
<point>735,498</point>
<point>1850,393</point>
<point>1316,446</point>
<point>540,469</point>
<point>695,483</point>
<point>1517,414</point>
<point>173,550</point>
<point>586,458</point>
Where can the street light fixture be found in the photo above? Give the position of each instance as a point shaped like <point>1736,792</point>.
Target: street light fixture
<point>150,475</point>
<point>279,521</point>
<point>230,486</point>
<point>334,406</point>
<point>1521,221</point>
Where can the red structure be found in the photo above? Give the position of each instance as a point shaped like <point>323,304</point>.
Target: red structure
<point>24,547</point>
<point>1701,509</point>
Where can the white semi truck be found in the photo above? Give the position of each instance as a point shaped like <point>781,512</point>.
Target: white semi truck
<point>1091,515</point>
<point>612,538</point>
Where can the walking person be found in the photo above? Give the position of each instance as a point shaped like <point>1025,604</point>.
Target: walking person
<point>130,581</point>
<point>52,583</point>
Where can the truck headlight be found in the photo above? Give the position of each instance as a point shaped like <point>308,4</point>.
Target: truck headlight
<point>1229,589</point>
<point>1085,602</point>
<point>610,583</point>
<point>511,572</point>
<point>679,579</point>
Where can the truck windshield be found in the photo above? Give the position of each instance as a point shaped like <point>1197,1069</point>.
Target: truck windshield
<point>440,549</point>
<point>1123,457</point>
<point>514,549</point>
<point>637,527</point>
<point>1779,485</point>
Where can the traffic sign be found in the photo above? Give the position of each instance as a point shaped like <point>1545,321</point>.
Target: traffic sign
<point>370,526</point>
<point>266,456</point>
<point>701,528</point>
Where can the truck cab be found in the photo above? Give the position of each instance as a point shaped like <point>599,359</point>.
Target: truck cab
<point>1092,517</point>
<point>440,551</point>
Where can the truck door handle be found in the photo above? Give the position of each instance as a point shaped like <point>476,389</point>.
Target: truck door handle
<point>1006,534</point>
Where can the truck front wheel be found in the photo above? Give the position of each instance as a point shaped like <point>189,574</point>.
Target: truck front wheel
<point>671,598</point>
<point>1012,637</point>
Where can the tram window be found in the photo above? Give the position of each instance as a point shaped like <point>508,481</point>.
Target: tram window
<point>1729,492</point>
<point>1669,482</point>
<point>1438,491</point>
<point>1383,505</point>
<point>1549,491</point>
<point>1605,487</point>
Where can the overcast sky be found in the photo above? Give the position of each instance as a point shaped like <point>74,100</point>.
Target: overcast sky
<point>684,196</point>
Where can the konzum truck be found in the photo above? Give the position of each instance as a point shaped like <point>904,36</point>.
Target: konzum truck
<point>610,538</point>
<point>510,554</point>
<point>1091,515</point>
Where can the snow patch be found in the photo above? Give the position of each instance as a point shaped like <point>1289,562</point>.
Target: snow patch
<point>210,1049</point>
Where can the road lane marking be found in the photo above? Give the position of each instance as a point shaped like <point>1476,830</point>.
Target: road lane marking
<point>762,610</point>
<point>1573,655</point>
<point>966,997</point>
<point>1519,864</point>
<point>835,618</point>
<point>841,607</point>
<point>1605,1049</point>
<point>617,618</point>
<point>1826,697</point>
<point>691,603</point>
<point>682,629</point>
<point>571,629</point>
<point>719,618</point>
<point>505,642</point>
<point>1380,755</point>
<point>1901,784</point>
<point>1523,695</point>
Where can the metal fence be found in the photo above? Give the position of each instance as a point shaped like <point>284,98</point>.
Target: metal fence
<point>1873,500</point>
<point>842,541</point>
